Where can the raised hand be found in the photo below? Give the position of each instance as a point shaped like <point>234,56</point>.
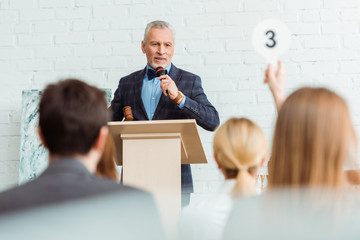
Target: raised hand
<point>276,82</point>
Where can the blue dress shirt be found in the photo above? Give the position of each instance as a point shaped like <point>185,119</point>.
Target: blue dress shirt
<point>151,93</point>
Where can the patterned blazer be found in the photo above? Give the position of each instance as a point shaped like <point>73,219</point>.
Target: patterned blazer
<point>197,106</point>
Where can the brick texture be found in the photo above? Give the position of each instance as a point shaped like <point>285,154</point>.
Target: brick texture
<point>99,41</point>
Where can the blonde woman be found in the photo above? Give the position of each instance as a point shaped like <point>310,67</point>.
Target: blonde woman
<point>240,148</point>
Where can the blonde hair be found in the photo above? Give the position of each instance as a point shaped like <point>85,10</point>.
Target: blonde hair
<point>239,147</point>
<point>313,139</point>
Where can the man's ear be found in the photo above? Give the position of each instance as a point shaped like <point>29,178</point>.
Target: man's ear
<point>41,136</point>
<point>100,141</point>
<point>143,46</point>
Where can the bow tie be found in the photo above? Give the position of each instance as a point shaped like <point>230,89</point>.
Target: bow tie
<point>151,73</point>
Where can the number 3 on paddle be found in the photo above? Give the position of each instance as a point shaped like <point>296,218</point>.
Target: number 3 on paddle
<point>271,41</point>
<point>271,38</point>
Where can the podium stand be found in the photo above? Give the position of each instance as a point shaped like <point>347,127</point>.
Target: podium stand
<point>151,153</point>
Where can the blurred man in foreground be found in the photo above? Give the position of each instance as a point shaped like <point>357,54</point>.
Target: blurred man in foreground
<point>73,120</point>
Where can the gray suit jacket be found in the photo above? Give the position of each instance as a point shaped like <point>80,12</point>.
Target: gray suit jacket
<point>64,179</point>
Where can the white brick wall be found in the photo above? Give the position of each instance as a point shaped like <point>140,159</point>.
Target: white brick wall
<point>99,41</point>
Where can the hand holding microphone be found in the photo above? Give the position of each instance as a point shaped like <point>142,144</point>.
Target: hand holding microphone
<point>160,71</point>
<point>167,84</point>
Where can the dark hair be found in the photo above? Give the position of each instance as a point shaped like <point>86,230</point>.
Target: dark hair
<point>71,114</point>
<point>106,167</point>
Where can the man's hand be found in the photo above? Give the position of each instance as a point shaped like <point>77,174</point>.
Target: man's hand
<point>168,86</point>
<point>276,81</point>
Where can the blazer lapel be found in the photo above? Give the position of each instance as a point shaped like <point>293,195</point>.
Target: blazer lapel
<point>139,79</point>
<point>175,75</point>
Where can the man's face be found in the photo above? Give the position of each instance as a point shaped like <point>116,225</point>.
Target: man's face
<point>158,47</point>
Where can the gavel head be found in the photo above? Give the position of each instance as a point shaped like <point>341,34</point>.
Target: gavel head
<point>128,113</point>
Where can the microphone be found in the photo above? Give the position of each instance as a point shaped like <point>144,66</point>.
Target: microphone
<point>159,72</point>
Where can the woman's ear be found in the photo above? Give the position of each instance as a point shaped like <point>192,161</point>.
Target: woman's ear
<point>264,159</point>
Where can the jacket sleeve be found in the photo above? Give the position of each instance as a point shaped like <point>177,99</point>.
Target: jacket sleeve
<point>197,106</point>
<point>116,105</point>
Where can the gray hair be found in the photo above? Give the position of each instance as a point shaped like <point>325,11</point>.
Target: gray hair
<point>158,24</point>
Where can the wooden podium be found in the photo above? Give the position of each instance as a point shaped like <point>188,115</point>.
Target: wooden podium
<point>151,153</point>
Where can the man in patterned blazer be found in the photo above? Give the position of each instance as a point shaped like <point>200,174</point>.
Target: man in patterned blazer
<point>175,95</point>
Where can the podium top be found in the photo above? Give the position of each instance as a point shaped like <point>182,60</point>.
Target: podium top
<point>192,149</point>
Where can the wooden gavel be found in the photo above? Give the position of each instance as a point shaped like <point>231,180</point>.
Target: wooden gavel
<point>128,113</point>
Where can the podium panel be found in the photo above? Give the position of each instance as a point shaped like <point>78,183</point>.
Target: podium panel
<point>151,153</point>
<point>159,173</point>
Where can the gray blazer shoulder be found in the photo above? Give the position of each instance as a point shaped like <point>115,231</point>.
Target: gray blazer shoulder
<point>64,179</point>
